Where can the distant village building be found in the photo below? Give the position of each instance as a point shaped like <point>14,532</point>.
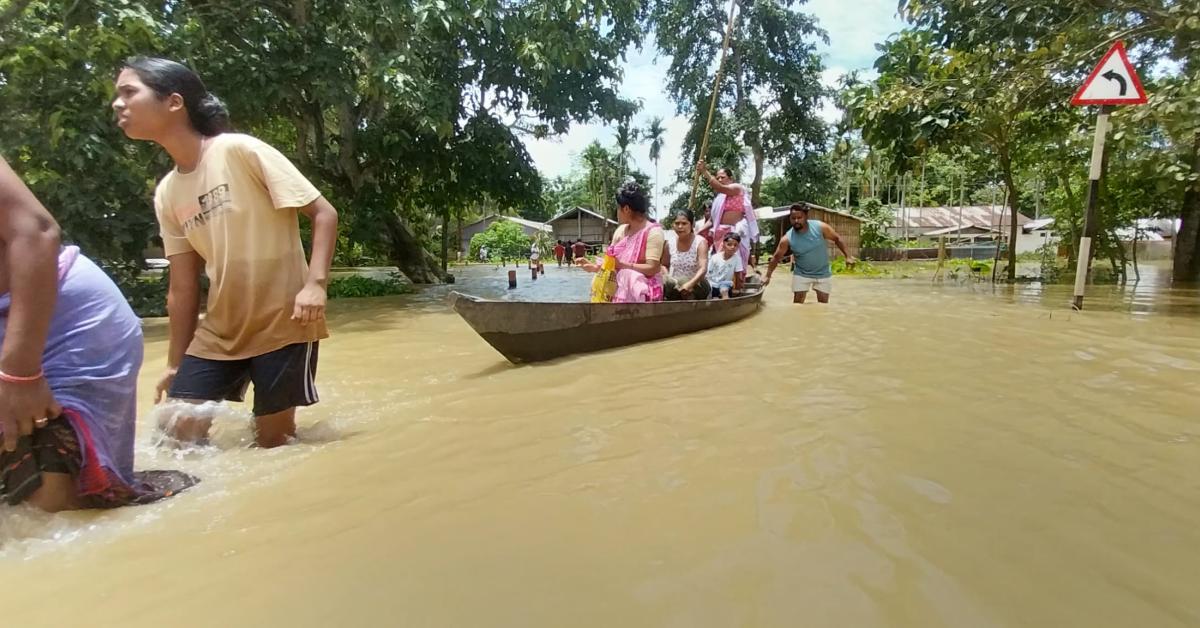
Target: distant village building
<point>528,227</point>
<point>581,223</point>
<point>969,222</point>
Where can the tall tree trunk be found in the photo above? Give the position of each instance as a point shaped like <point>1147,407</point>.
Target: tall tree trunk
<point>1072,233</point>
<point>407,253</point>
<point>1187,241</point>
<point>756,187</point>
<point>458,216</point>
<point>445,241</point>
<point>1013,203</point>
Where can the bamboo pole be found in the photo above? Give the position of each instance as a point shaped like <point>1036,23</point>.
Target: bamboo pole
<point>712,106</point>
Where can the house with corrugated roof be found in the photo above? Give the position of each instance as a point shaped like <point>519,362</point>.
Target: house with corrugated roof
<point>979,221</point>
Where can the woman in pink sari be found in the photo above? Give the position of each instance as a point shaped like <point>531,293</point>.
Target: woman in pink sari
<point>637,247</point>
<point>731,212</point>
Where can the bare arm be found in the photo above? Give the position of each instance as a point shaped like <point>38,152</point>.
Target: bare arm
<point>702,266</point>
<point>836,239</point>
<point>30,247</point>
<point>781,252</point>
<point>732,189</point>
<point>31,241</point>
<point>310,302</point>
<point>324,239</point>
<point>183,304</point>
<point>648,268</point>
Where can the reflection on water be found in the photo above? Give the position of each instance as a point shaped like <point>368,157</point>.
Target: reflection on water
<point>911,455</point>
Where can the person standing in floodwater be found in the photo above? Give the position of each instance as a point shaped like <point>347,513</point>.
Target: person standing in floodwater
<point>72,348</point>
<point>805,241</point>
<point>230,204</point>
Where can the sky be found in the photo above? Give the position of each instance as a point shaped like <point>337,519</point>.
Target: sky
<point>854,27</point>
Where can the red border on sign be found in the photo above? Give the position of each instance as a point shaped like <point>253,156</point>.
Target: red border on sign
<point>1117,48</point>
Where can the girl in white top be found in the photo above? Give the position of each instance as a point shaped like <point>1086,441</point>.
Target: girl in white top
<point>686,261</point>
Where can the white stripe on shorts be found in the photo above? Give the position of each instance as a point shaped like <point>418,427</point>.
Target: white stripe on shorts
<point>310,387</point>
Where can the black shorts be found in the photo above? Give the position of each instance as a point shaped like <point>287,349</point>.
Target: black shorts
<point>283,379</point>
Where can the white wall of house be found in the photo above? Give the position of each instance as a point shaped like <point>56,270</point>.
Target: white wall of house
<point>1031,242</point>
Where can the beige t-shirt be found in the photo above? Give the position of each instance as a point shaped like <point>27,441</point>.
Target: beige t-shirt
<point>654,242</point>
<point>237,209</point>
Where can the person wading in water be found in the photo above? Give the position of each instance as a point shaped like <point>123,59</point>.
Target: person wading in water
<point>230,206</point>
<point>806,242</point>
<point>72,348</point>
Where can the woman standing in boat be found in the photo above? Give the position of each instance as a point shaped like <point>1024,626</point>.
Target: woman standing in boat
<point>686,260</point>
<point>731,212</point>
<point>637,248</point>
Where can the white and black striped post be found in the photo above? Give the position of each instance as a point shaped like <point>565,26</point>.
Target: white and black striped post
<point>1090,220</point>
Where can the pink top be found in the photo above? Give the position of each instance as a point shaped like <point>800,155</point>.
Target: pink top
<point>633,286</point>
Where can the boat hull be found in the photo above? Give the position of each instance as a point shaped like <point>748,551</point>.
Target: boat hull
<point>533,332</point>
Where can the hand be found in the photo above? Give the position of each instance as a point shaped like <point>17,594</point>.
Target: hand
<point>164,384</point>
<point>766,281</point>
<point>850,261</point>
<point>24,405</point>
<point>586,265</point>
<point>702,168</point>
<point>310,304</point>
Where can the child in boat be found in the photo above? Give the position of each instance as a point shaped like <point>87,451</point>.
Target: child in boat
<point>724,266</point>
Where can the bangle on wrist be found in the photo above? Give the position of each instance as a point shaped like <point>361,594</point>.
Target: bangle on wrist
<point>20,379</point>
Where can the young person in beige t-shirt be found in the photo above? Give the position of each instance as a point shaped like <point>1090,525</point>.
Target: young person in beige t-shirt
<point>230,206</point>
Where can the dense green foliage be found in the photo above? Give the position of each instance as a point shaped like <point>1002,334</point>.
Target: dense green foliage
<point>991,79</point>
<point>357,286</point>
<point>406,115</point>
<point>504,241</point>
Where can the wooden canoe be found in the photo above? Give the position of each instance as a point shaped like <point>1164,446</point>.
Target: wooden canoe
<point>525,331</point>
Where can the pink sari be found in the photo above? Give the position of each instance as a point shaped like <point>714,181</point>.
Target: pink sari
<point>633,286</point>
<point>724,203</point>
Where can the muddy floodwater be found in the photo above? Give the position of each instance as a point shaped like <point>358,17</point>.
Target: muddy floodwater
<point>912,455</point>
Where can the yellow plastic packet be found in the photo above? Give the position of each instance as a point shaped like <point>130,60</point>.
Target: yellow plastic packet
<point>604,284</point>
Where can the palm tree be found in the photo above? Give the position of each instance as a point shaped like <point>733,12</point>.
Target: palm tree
<point>654,134</point>
<point>626,135</point>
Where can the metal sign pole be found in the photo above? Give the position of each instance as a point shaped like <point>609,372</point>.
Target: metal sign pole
<point>1090,218</point>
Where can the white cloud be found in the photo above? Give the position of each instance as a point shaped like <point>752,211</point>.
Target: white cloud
<point>854,28</point>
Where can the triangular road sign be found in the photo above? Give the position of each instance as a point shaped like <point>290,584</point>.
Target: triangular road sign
<point>1113,82</point>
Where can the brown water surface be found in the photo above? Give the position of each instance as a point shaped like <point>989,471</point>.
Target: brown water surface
<point>910,455</point>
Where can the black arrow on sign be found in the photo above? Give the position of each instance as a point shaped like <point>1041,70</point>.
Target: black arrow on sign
<point>1113,76</point>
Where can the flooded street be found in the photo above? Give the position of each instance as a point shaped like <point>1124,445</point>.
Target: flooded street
<point>909,456</point>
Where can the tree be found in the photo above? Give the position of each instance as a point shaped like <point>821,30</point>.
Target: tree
<point>57,64</point>
<point>772,90</point>
<point>1062,41</point>
<point>655,133</point>
<point>876,220</point>
<point>602,171</point>
<point>504,240</point>
<point>927,95</point>
<point>398,108</point>
<point>626,136</point>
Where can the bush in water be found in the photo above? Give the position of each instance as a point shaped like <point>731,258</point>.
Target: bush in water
<point>357,287</point>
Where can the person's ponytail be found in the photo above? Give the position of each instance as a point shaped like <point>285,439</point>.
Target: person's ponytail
<point>210,117</point>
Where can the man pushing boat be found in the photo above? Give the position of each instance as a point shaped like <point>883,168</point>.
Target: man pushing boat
<point>806,242</point>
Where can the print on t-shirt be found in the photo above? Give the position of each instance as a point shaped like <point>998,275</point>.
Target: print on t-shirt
<point>212,204</point>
